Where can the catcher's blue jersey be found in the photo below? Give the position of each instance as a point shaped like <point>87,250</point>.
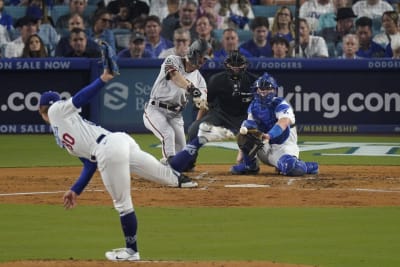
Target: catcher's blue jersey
<point>266,116</point>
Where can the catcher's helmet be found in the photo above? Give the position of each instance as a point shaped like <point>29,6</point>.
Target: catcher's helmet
<point>198,51</point>
<point>236,64</point>
<point>265,83</point>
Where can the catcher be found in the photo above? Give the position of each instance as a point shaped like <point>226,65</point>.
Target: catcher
<point>270,135</point>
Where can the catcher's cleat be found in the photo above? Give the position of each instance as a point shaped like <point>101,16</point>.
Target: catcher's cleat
<point>122,254</point>
<point>214,133</point>
<point>243,168</point>
<point>186,182</point>
<point>312,167</point>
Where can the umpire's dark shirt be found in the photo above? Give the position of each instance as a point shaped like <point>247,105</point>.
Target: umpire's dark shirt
<point>220,89</point>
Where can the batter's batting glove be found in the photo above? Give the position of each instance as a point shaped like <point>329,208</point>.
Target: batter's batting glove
<point>197,99</point>
<point>193,91</point>
<point>108,57</point>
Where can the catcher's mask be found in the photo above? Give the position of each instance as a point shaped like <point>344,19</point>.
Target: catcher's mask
<point>235,64</point>
<point>266,88</point>
<point>199,52</point>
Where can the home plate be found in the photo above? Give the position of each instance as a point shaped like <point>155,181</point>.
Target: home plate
<point>247,185</point>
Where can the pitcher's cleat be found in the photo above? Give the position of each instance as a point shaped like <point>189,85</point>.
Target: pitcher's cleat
<point>122,254</point>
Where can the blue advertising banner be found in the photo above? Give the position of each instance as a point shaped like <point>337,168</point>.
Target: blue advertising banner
<point>328,96</point>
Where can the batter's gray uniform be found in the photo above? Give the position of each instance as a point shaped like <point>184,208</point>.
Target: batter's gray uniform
<point>163,112</point>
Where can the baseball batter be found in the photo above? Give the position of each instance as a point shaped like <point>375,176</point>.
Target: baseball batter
<point>178,77</point>
<point>275,119</point>
<point>115,155</point>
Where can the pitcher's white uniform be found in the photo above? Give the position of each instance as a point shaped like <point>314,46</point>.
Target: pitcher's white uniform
<point>117,154</point>
<point>163,112</point>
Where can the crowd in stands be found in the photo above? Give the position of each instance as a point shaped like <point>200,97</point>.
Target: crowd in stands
<point>159,28</point>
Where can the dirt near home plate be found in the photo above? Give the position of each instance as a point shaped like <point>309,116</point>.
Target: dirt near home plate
<point>334,186</point>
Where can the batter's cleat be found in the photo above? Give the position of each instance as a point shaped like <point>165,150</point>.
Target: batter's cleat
<point>243,168</point>
<point>186,182</point>
<point>122,254</point>
<point>312,167</point>
<point>214,133</point>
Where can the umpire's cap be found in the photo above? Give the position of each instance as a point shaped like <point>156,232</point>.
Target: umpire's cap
<point>48,98</point>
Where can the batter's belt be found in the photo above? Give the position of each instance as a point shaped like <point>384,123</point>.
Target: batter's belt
<point>175,108</point>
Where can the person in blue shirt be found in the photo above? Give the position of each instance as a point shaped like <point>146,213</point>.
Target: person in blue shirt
<point>259,45</point>
<point>154,41</point>
<point>5,19</point>
<point>136,48</point>
<point>368,48</point>
<point>230,43</point>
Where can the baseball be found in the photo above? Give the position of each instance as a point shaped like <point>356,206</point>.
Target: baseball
<point>243,130</point>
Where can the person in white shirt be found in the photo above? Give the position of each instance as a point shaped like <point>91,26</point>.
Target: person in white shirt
<point>4,36</point>
<point>395,45</point>
<point>390,20</point>
<point>27,26</point>
<point>371,8</point>
<point>313,9</point>
<point>310,46</point>
<point>182,42</point>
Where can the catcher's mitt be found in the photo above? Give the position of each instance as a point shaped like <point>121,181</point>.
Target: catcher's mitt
<point>108,57</point>
<point>251,142</point>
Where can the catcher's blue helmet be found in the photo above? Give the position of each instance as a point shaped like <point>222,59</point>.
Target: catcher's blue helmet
<point>263,83</point>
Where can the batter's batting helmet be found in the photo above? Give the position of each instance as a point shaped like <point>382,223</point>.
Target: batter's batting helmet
<point>236,64</point>
<point>199,49</point>
<point>48,98</point>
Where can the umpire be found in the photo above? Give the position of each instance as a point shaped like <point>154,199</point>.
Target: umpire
<point>229,95</point>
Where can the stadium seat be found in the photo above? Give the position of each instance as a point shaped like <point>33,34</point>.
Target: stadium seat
<point>58,11</point>
<point>15,11</point>
<point>122,37</point>
<point>269,11</point>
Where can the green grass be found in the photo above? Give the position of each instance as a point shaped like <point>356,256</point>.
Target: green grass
<point>41,150</point>
<point>327,237</point>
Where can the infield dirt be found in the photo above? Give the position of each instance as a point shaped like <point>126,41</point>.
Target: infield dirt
<point>335,186</point>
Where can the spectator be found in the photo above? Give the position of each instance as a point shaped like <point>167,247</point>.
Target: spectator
<point>75,7</point>
<point>182,42</point>
<point>283,24</point>
<point>350,46</point>
<point>371,8</point>
<point>136,48</point>
<point>210,8</point>
<point>26,26</point>
<point>236,13</point>
<point>368,48</point>
<point>310,46</point>
<point>333,35</point>
<point>259,45</point>
<point>46,31</point>
<point>102,20</point>
<point>78,41</point>
<point>123,19</point>
<point>204,30</point>
<point>4,37</point>
<point>63,47</point>
<point>278,2</point>
<point>185,20</point>
<point>173,12</point>
<point>328,20</point>
<point>160,8</point>
<point>395,47</point>
<point>5,19</point>
<point>280,47</point>
<point>390,20</point>
<point>34,47</point>
<point>230,43</point>
<point>154,41</point>
<point>137,8</point>
<point>312,11</point>
<point>229,95</point>
<point>138,25</point>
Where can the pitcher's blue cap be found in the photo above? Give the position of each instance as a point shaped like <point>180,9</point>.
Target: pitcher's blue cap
<point>48,98</point>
